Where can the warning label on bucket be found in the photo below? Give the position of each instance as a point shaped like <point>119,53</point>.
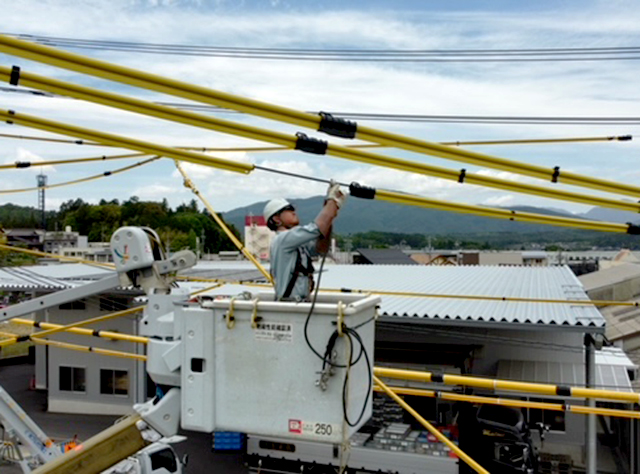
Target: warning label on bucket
<point>274,331</point>
<point>310,428</point>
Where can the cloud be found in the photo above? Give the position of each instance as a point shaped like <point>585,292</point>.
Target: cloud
<point>513,89</point>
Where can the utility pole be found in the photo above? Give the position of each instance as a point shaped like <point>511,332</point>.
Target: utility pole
<point>42,182</point>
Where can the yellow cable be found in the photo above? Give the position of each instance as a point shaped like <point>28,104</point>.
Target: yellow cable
<point>239,245</point>
<point>124,142</point>
<point>442,438</point>
<point>95,350</point>
<point>103,69</point>
<point>496,384</point>
<point>457,397</point>
<point>35,164</point>
<point>246,131</point>
<point>51,255</point>
<point>84,332</point>
<point>82,180</point>
<point>250,149</point>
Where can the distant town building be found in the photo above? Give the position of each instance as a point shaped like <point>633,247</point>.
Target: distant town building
<point>55,241</point>
<point>257,236</point>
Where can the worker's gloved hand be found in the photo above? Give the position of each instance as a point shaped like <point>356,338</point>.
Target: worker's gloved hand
<point>335,194</point>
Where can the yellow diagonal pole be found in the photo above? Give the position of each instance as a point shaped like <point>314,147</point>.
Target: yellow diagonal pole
<point>239,245</point>
<point>432,429</point>
<point>292,142</point>
<point>497,384</point>
<point>103,69</point>
<point>124,142</point>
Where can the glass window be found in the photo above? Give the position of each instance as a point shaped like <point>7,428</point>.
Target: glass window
<point>114,382</point>
<point>72,379</point>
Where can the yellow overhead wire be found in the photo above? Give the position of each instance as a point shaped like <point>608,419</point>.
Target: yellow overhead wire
<point>103,69</point>
<point>239,245</point>
<point>292,142</point>
<point>34,164</point>
<point>250,149</point>
<point>117,336</point>
<point>497,384</point>
<point>124,142</point>
<point>38,253</point>
<point>82,180</point>
<point>95,350</point>
<point>509,402</point>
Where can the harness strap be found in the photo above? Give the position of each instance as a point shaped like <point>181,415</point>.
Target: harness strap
<point>297,270</point>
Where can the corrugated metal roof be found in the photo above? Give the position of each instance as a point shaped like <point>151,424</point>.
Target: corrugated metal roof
<point>608,376</point>
<point>387,257</point>
<point>525,282</point>
<point>610,276</point>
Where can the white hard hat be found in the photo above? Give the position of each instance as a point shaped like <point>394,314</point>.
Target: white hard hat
<point>274,206</point>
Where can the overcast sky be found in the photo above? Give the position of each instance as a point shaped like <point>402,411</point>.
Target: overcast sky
<point>595,88</point>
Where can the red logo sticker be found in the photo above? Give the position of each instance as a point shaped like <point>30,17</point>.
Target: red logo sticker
<point>295,426</point>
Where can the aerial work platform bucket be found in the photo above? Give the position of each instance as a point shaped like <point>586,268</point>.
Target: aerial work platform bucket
<point>248,367</point>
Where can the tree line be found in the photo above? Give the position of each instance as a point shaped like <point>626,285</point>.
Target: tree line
<point>179,228</point>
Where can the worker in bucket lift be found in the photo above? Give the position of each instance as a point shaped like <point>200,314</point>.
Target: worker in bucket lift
<point>294,245</point>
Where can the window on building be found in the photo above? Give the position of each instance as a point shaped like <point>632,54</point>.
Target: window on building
<point>72,379</point>
<point>78,304</point>
<point>113,304</point>
<point>114,382</point>
<point>554,419</point>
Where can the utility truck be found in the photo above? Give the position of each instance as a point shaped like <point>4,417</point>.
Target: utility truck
<point>247,363</point>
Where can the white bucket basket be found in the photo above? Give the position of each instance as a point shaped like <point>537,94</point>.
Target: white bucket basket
<point>248,367</point>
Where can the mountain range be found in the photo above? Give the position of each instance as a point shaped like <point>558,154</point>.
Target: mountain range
<point>360,215</point>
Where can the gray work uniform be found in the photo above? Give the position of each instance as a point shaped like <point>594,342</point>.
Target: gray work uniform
<point>284,253</point>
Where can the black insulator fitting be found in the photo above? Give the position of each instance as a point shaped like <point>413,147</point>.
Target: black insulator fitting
<point>337,127</point>
<point>311,145</point>
<point>23,164</point>
<point>463,174</point>
<point>363,192</point>
<point>555,175</point>
<point>625,138</point>
<point>633,229</point>
<point>563,391</point>
<point>107,173</point>
<point>14,78</point>
<point>11,112</point>
<point>23,338</point>
<point>437,378</point>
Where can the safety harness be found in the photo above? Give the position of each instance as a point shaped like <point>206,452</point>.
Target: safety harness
<point>299,269</point>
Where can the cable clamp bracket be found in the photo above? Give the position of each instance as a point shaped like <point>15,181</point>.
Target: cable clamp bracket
<point>555,175</point>
<point>10,112</point>
<point>254,315</point>
<point>14,78</point>
<point>363,192</point>
<point>462,175</point>
<point>310,144</point>
<point>230,318</point>
<point>337,127</point>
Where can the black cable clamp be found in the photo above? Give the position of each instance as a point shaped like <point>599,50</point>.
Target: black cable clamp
<point>513,216</point>
<point>11,112</point>
<point>107,173</point>
<point>79,142</point>
<point>555,175</point>
<point>563,391</point>
<point>337,127</point>
<point>625,138</point>
<point>311,145</point>
<point>23,338</point>
<point>364,192</point>
<point>463,174</point>
<point>14,78</point>
<point>437,378</point>
<point>633,229</point>
<point>23,164</point>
